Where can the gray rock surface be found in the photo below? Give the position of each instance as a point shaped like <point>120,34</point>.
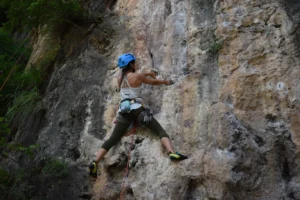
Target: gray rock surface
<point>234,107</point>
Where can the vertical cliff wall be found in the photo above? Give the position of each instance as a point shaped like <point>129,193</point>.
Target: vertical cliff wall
<point>234,107</point>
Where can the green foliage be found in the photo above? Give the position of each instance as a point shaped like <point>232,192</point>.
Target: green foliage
<point>5,179</point>
<point>29,79</point>
<point>4,128</point>
<point>4,176</point>
<point>10,51</point>
<point>19,98</point>
<point>20,90</point>
<point>7,44</point>
<point>55,168</point>
<point>4,131</point>
<point>215,47</point>
<point>7,147</point>
<point>22,80</point>
<point>32,13</point>
<point>17,147</point>
<point>20,191</point>
<point>23,105</point>
<point>15,185</point>
<point>29,151</point>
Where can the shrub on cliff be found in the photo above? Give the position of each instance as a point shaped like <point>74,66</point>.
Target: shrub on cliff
<point>10,52</point>
<point>31,13</point>
<point>55,168</point>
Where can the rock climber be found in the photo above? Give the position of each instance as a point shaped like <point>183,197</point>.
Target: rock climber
<point>133,110</point>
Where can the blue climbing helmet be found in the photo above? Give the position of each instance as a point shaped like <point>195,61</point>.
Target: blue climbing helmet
<point>125,59</point>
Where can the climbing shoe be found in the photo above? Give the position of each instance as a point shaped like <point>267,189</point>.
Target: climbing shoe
<point>177,156</point>
<point>93,169</point>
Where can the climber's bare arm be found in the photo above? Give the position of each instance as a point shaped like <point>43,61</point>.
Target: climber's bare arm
<point>144,79</point>
<point>152,74</point>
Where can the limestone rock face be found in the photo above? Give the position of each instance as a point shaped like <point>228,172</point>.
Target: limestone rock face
<point>45,49</point>
<point>234,107</point>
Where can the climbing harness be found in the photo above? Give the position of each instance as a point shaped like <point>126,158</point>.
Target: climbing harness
<point>125,105</point>
<point>133,131</point>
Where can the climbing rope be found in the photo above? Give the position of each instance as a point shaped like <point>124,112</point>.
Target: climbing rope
<point>11,71</point>
<point>8,77</point>
<point>15,62</point>
<point>128,160</point>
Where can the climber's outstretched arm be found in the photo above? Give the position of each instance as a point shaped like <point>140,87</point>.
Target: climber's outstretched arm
<point>146,80</point>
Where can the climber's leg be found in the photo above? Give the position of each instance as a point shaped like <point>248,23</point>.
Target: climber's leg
<point>117,134</point>
<point>167,144</point>
<point>156,128</point>
<point>120,128</point>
